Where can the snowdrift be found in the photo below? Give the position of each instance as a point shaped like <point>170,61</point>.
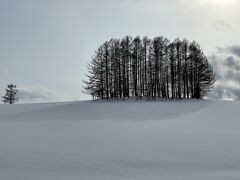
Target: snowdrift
<point>167,140</point>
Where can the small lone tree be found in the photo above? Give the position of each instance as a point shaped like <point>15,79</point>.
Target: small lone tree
<point>11,94</point>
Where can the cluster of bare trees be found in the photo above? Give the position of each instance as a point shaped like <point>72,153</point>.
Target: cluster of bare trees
<point>157,68</point>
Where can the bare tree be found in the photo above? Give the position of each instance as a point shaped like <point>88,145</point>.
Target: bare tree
<point>135,67</point>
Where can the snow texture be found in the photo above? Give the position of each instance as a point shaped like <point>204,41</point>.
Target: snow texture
<point>168,140</point>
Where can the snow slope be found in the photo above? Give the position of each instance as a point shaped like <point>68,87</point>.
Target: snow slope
<point>188,140</point>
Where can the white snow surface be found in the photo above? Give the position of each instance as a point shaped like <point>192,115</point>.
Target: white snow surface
<point>162,140</point>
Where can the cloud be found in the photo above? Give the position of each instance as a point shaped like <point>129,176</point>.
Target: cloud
<point>226,90</point>
<point>221,25</point>
<point>226,63</point>
<point>235,50</point>
<point>232,63</point>
<point>29,94</point>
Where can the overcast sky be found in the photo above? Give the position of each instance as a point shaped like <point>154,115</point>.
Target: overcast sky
<point>46,44</point>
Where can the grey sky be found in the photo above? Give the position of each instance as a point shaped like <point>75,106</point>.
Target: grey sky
<point>46,44</point>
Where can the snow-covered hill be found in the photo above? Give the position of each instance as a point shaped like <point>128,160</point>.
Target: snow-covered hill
<point>188,140</point>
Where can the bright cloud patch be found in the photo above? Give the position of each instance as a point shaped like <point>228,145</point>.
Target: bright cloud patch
<point>227,67</point>
<point>38,94</point>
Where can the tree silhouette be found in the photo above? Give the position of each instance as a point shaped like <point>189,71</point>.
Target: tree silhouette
<point>10,96</point>
<point>145,68</point>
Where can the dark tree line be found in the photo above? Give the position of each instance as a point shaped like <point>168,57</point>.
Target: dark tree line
<point>150,68</point>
